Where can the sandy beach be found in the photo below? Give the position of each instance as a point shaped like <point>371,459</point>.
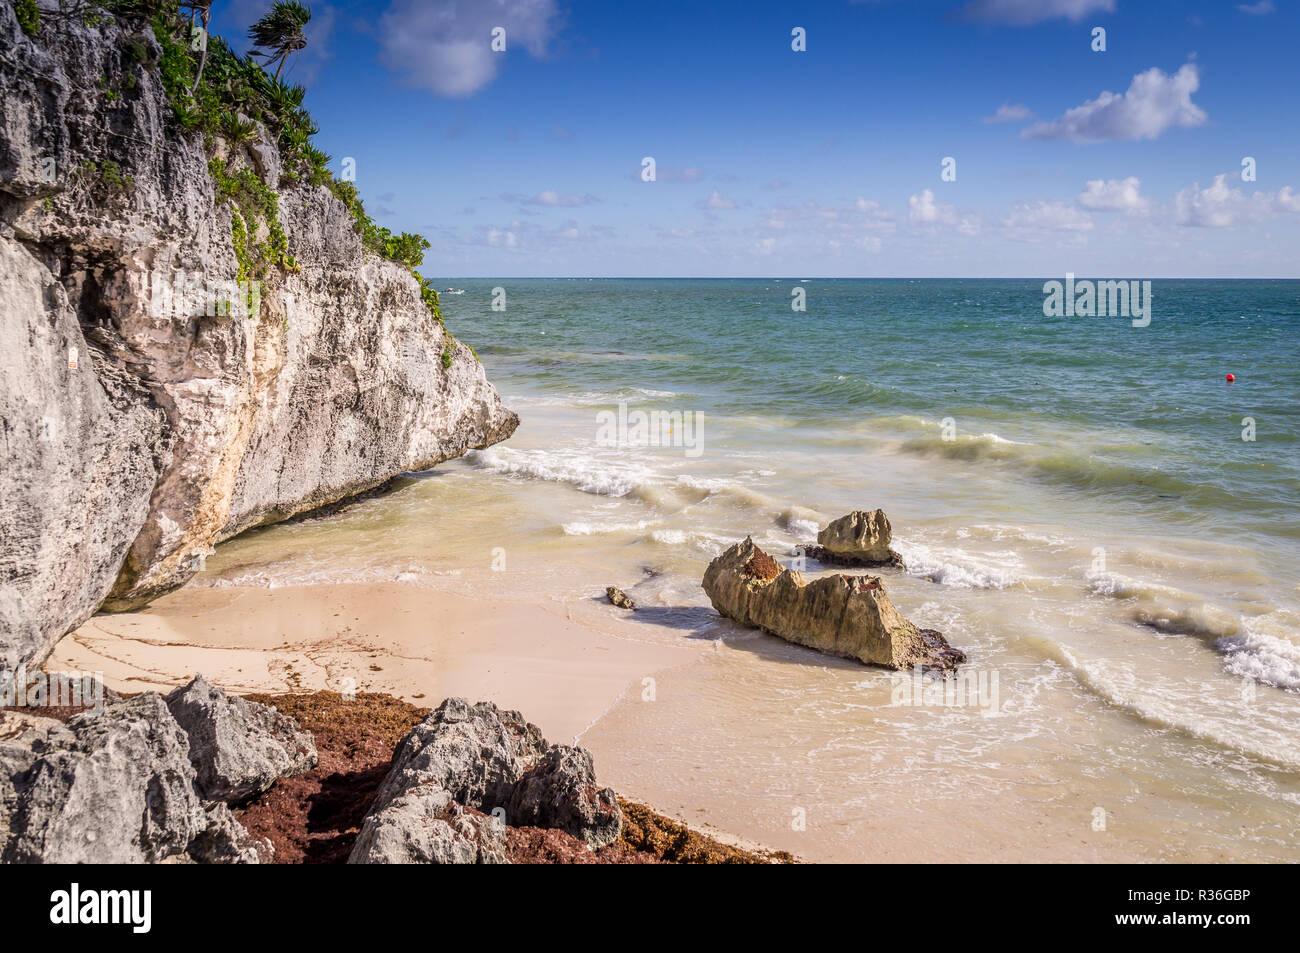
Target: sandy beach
<point>415,644</point>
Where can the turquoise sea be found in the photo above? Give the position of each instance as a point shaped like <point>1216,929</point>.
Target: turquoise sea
<point>1073,497</point>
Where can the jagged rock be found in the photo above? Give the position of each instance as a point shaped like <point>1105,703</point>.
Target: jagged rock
<point>473,752</point>
<point>140,431</point>
<point>225,841</point>
<point>120,785</point>
<point>844,615</point>
<point>465,763</point>
<point>619,598</point>
<point>116,787</point>
<point>560,791</point>
<point>424,825</point>
<point>860,538</point>
<point>238,748</point>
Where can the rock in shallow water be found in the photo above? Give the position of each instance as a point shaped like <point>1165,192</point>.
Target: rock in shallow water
<point>849,616</point>
<point>465,772</point>
<point>860,538</point>
<point>619,598</point>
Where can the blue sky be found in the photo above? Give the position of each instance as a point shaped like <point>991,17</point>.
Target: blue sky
<point>772,162</point>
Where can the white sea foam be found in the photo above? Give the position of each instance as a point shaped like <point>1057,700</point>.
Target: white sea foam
<point>592,473</point>
<point>955,567</point>
<point>599,528</point>
<point>1166,706</point>
<point>289,575</point>
<point>1265,650</point>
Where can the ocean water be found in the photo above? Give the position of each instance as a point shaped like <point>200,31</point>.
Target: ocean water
<point>1073,497</point>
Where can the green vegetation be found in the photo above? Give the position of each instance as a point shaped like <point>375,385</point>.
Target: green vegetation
<point>279,33</point>
<point>252,202</point>
<point>429,296</point>
<point>221,94</point>
<point>29,16</point>
<point>105,176</point>
<point>446,359</point>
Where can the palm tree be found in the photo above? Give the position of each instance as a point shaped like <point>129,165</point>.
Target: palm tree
<point>203,10</point>
<point>279,33</point>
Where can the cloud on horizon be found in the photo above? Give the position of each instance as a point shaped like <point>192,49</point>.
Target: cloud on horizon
<point>1223,206</point>
<point>1113,195</point>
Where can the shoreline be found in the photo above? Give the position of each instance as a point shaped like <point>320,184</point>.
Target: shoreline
<point>414,645</point>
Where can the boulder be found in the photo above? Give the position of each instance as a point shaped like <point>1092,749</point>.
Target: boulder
<point>860,538</point>
<point>113,788</point>
<point>619,598</point>
<point>473,752</point>
<point>465,771</point>
<point>144,780</point>
<point>424,825</point>
<point>225,841</point>
<point>238,748</point>
<point>560,791</point>
<point>845,615</point>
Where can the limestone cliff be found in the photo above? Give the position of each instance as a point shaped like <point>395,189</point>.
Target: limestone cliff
<point>141,427</point>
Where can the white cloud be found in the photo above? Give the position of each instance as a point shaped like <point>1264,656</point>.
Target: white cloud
<point>1113,195</point>
<point>1025,12</point>
<point>445,45</point>
<point>506,237</point>
<point>717,200</point>
<point>1223,206</point>
<point>552,197</point>
<point>1009,112</point>
<point>1155,102</point>
<point>1263,8</point>
<point>1036,221</point>
<point>923,210</point>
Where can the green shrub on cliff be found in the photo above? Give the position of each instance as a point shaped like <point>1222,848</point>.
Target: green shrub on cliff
<point>217,92</point>
<point>253,201</point>
<point>234,91</point>
<point>29,16</point>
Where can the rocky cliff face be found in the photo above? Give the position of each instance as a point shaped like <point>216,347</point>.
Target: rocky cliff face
<point>141,424</point>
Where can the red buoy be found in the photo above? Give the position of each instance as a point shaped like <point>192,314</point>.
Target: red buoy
<point>1231,378</point>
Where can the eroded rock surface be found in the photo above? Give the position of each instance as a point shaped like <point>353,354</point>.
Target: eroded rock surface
<point>137,432</point>
<point>845,615</point>
<point>463,774</point>
<point>560,791</point>
<point>238,748</point>
<point>860,538</point>
<point>120,786</point>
